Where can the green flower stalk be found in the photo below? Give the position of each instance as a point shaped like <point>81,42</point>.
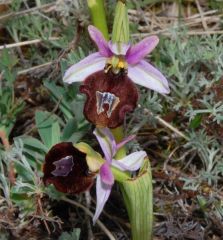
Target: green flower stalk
<point>137,192</point>
<point>138,197</point>
<point>98,16</point>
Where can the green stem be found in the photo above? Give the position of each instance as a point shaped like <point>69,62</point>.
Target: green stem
<point>119,175</point>
<point>98,16</point>
<point>119,135</point>
<point>120,34</point>
<point>137,192</point>
<point>138,197</point>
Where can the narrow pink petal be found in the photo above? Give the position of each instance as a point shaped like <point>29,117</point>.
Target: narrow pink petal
<point>118,48</point>
<point>125,140</point>
<point>102,191</point>
<point>148,76</point>
<point>79,71</point>
<point>99,40</point>
<point>141,49</point>
<point>106,174</point>
<point>107,142</point>
<point>132,162</point>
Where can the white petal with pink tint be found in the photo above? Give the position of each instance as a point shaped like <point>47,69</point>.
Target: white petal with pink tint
<point>125,141</point>
<point>132,162</point>
<point>118,48</point>
<point>102,191</point>
<point>106,174</point>
<point>107,142</point>
<point>138,51</point>
<point>148,76</point>
<point>99,40</point>
<point>79,71</point>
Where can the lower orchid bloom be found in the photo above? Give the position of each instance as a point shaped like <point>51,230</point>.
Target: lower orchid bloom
<point>105,178</point>
<point>109,75</point>
<point>73,168</point>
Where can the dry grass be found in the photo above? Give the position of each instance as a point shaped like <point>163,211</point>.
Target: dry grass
<point>196,16</point>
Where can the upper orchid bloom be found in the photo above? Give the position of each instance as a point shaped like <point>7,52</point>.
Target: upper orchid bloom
<point>120,57</point>
<point>109,76</point>
<point>105,178</point>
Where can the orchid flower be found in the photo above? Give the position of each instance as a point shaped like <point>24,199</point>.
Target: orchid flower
<point>105,178</point>
<point>66,168</point>
<point>109,75</point>
<point>73,168</point>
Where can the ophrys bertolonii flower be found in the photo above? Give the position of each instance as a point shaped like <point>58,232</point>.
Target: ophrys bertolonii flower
<point>109,75</point>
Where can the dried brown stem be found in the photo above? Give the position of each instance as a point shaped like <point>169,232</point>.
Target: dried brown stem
<point>42,213</point>
<point>198,20</point>
<point>6,144</point>
<point>30,42</point>
<point>28,11</point>
<point>4,140</point>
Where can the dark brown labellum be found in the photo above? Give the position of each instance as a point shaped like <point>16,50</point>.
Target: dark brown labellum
<point>66,168</point>
<point>109,97</point>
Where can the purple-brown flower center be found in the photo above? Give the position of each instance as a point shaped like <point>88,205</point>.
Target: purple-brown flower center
<point>63,166</point>
<point>66,168</point>
<point>109,97</point>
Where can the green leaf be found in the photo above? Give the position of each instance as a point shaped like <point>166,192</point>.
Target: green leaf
<point>63,66</point>
<point>71,133</point>
<point>48,128</point>
<point>4,186</point>
<point>19,196</point>
<point>34,157</point>
<point>69,129</point>
<point>76,136</point>
<point>59,96</point>
<point>195,123</point>
<point>138,198</point>
<point>78,105</point>
<point>33,149</point>
<point>34,143</point>
<point>51,191</point>
<point>74,235</point>
<point>8,60</point>
<point>23,172</point>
